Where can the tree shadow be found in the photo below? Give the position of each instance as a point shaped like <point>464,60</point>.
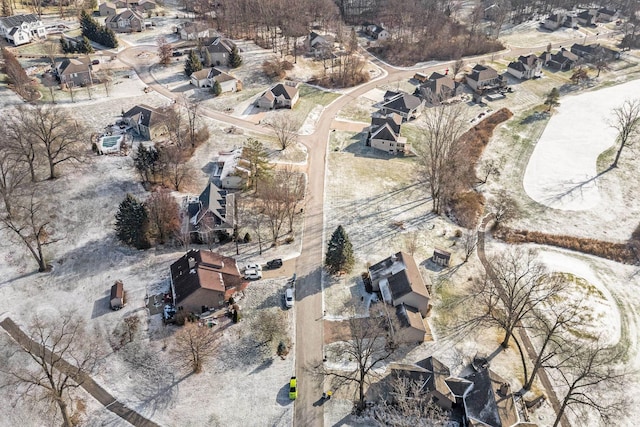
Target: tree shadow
<point>570,189</point>
<point>264,365</point>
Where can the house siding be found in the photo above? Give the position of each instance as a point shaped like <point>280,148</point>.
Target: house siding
<point>415,300</point>
<point>200,297</point>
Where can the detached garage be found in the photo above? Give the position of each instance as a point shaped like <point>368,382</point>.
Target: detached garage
<point>117,296</point>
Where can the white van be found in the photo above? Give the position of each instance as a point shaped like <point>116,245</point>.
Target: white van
<point>288,298</point>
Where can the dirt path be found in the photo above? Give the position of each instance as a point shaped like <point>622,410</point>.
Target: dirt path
<point>84,380</point>
<point>524,337</point>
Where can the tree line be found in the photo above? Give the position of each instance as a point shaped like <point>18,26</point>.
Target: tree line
<point>97,33</point>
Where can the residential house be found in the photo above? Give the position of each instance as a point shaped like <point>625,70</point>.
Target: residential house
<point>438,88</point>
<point>282,95</point>
<point>107,9</point>
<point>606,15</point>
<point>399,281</point>
<point>384,134</point>
<point>219,50</point>
<point>206,78</point>
<point>204,280</point>
<point>595,52</point>
<point>587,17</point>
<point>125,22</point>
<point>484,78</point>
<point>138,5</point>
<point>561,60</point>
<point>148,122</point>
<point>21,29</point>
<point>74,71</point>
<point>554,21</point>
<point>320,47</point>
<point>526,67</point>
<point>376,32</point>
<point>195,31</point>
<point>210,212</point>
<point>116,300</point>
<point>401,103</point>
<point>230,170</point>
<point>430,375</point>
<point>488,400</point>
<point>146,5</point>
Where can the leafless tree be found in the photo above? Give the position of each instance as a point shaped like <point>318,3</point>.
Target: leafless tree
<point>293,185</point>
<point>504,207</point>
<point>488,168</point>
<point>49,81</point>
<point>175,126</point>
<point>285,126</point>
<point>370,345</point>
<point>411,242</point>
<point>55,133</point>
<point>174,166</point>
<point>439,149</point>
<point>165,51</point>
<point>280,198</point>
<point>89,87</point>
<point>72,90</point>
<point>256,223</point>
<point>18,144</point>
<point>626,121</point>
<point>164,221</point>
<point>457,67</point>
<point>51,49</point>
<point>469,242</point>
<point>192,117</point>
<point>59,356</point>
<point>107,81</point>
<point>14,174</point>
<point>269,326</point>
<point>195,344</point>
<point>514,285</point>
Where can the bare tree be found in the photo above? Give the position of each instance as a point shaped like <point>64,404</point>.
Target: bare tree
<point>504,207</point>
<point>164,221</point>
<point>165,51</point>
<point>274,206</point>
<point>49,81</point>
<point>51,49</point>
<point>285,126</point>
<point>469,242</point>
<point>13,172</point>
<point>20,145</point>
<point>438,151</point>
<point>192,116</point>
<point>514,285</point>
<point>370,345</point>
<point>107,81</point>
<point>293,186</point>
<point>626,121</point>
<point>177,171</point>
<point>270,326</point>
<point>175,126</point>
<point>457,67</point>
<point>488,168</point>
<point>62,353</point>
<point>195,344</point>
<point>411,242</point>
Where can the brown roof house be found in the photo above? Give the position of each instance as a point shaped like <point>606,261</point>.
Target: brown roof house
<point>204,280</point>
<point>108,8</point>
<point>384,134</point>
<point>562,60</point>
<point>401,103</point>
<point>117,296</point>
<point>125,22</point>
<point>195,30</point>
<point>526,67</point>
<point>219,50</point>
<point>146,121</point>
<point>74,71</point>
<point>399,281</point>
<point>438,88</point>
<point>430,376</point>
<point>206,78</point>
<point>484,78</point>
<point>282,95</point>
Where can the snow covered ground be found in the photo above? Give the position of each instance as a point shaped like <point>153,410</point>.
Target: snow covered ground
<point>562,170</point>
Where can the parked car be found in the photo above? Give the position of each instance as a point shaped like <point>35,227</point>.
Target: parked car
<point>288,298</point>
<point>253,266</point>
<point>293,388</point>
<point>252,274</point>
<point>177,53</point>
<point>274,263</point>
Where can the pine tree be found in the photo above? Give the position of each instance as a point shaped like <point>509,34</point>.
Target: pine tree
<point>235,60</point>
<point>339,257</point>
<point>208,62</point>
<point>216,89</point>
<point>552,99</point>
<point>192,64</point>
<point>132,223</point>
<point>84,46</point>
<point>258,158</point>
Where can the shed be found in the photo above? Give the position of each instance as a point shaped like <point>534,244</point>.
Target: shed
<point>117,296</point>
<point>441,257</point>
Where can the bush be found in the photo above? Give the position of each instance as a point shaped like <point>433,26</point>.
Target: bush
<point>247,238</point>
<point>466,208</point>
<point>276,69</point>
<point>288,240</point>
<point>283,349</point>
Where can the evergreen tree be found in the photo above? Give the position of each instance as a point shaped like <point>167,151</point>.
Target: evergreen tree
<point>192,64</point>
<point>66,46</point>
<point>84,46</point>
<point>339,257</point>
<point>552,99</point>
<point>258,158</point>
<point>216,89</point>
<point>132,223</point>
<point>207,61</point>
<point>109,38</point>
<point>146,162</point>
<point>235,60</point>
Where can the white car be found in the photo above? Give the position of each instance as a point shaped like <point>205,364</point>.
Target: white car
<point>288,298</point>
<point>252,274</point>
<point>253,266</point>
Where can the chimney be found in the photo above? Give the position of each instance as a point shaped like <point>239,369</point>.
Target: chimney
<point>192,262</point>
<point>504,389</point>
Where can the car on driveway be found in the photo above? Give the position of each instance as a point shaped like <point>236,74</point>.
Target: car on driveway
<point>288,298</point>
<point>274,263</point>
<point>251,274</point>
<point>293,388</point>
<point>253,266</point>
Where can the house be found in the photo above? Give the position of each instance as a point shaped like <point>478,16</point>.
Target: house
<point>384,134</point>
<point>399,281</point>
<point>320,46</point>
<point>204,280</point>
<point>219,50</point>
<point>74,71</point>
<point>562,60</point>
<point>606,15</point>
<point>402,104</point>
<point>484,78</point>
<point>376,32</point>
<point>107,9</point>
<point>438,88</point>
<point>21,29</point>
<point>488,400</point>
<point>125,22</point>
<point>526,67</point>
<point>230,170</point>
<point>146,5</point>
<point>595,52</point>
<point>148,122</point>
<point>117,296</point>
<point>430,376</point>
<point>211,211</point>
<point>194,31</point>
<point>554,21</point>
<point>587,17</point>
<point>282,95</point>
<point>206,78</point>
<point>441,257</point>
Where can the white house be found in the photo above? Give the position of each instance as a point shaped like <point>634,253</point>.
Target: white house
<point>526,67</point>
<point>230,170</point>
<point>21,29</point>
<point>206,77</point>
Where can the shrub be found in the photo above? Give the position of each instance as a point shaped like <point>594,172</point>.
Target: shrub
<point>247,238</point>
<point>274,69</point>
<point>283,349</point>
<point>467,207</point>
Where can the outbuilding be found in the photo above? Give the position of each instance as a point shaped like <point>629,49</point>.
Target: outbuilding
<point>117,296</point>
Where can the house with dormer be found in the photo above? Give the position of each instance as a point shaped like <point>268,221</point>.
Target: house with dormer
<point>74,71</point>
<point>22,29</point>
<point>211,211</point>
<point>207,77</point>
<point>438,88</point>
<point>148,122</point>
<point>384,134</point>
<point>526,67</point>
<point>483,78</point>
<point>127,21</point>
<point>282,95</point>
<point>561,60</point>
<point>219,50</point>
<point>401,103</point>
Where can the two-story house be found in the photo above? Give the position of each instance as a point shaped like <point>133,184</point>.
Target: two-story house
<point>21,29</point>
<point>438,88</point>
<point>148,122</point>
<point>526,67</point>
<point>74,71</point>
<point>484,78</point>
<point>127,21</point>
